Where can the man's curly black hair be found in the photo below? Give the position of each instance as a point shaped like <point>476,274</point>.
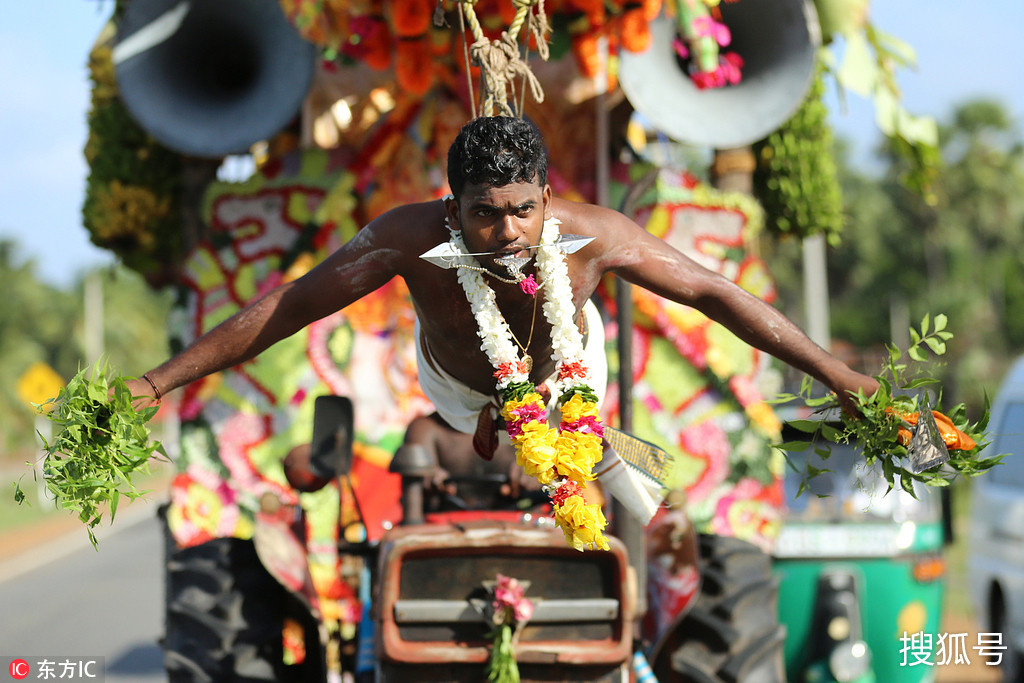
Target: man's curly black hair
<point>497,150</point>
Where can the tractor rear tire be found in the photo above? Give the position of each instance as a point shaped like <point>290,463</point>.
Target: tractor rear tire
<point>732,633</point>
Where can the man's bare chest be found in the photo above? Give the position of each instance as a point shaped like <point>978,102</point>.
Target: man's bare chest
<point>450,332</point>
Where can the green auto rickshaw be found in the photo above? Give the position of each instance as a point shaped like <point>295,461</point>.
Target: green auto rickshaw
<point>861,574</point>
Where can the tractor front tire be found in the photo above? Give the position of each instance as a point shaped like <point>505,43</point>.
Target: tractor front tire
<point>224,616</point>
<point>732,633</point>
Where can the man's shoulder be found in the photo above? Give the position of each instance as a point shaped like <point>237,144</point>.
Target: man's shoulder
<point>412,223</point>
<point>583,218</point>
<point>428,212</point>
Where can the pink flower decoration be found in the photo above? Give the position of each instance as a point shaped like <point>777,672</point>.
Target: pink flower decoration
<point>509,600</point>
<point>530,411</point>
<point>731,63</point>
<point>708,80</point>
<point>706,26</point>
<point>528,285</point>
<point>523,610</point>
<point>588,424</point>
<point>727,73</point>
<point>680,48</point>
<point>707,442</point>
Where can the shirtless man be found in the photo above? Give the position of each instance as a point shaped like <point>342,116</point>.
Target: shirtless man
<point>497,171</point>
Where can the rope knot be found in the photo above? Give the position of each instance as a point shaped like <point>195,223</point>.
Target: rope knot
<point>500,60</point>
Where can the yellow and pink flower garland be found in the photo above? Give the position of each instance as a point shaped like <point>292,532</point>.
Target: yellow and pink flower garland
<point>562,459</point>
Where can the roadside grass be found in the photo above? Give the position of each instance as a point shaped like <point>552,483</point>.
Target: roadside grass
<point>14,515</point>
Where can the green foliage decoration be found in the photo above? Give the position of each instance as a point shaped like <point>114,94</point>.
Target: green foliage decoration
<point>882,414</point>
<point>796,178</point>
<point>132,204</point>
<point>867,66</point>
<point>101,441</point>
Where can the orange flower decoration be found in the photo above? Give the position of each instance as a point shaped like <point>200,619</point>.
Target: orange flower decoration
<point>570,370</point>
<point>951,436</point>
<point>411,18</point>
<point>414,67</point>
<point>585,49</point>
<point>375,45</point>
<point>652,8</point>
<point>634,31</point>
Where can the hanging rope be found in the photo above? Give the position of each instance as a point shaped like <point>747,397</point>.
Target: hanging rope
<point>500,61</point>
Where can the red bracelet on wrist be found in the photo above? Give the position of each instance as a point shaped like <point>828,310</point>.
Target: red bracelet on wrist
<point>156,391</point>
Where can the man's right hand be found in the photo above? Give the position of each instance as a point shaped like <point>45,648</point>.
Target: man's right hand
<point>141,389</point>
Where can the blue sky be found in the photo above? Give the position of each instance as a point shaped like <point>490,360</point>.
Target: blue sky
<point>964,50</point>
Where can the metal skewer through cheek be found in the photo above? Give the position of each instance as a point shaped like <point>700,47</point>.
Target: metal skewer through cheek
<point>514,265</point>
<point>445,255</point>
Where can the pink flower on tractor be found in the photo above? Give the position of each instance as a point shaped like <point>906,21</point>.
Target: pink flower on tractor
<point>510,601</point>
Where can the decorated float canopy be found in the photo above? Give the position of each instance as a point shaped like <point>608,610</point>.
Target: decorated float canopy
<point>752,71</point>
<point>209,78</point>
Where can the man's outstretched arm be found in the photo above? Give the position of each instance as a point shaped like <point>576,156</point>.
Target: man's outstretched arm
<point>356,269</point>
<point>640,258</point>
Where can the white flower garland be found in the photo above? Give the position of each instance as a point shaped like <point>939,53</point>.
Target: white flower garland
<point>559,311</point>
<point>561,459</point>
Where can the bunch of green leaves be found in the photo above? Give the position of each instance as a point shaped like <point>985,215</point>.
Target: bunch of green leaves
<point>875,432</point>
<point>100,442</point>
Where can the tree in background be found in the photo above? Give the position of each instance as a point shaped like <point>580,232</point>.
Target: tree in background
<point>40,322</point>
<point>979,232</point>
<point>962,254</point>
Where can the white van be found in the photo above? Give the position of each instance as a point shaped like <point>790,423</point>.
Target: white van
<point>996,559</point>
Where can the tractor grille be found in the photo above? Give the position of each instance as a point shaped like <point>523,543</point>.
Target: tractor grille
<point>432,597</point>
<point>575,596</point>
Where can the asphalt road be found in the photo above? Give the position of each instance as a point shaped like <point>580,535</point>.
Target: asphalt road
<point>68,600</point>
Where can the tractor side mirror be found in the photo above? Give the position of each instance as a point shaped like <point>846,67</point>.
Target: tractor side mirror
<point>331,447</point>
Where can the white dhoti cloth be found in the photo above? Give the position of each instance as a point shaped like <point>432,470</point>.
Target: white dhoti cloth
<point>460,406</point>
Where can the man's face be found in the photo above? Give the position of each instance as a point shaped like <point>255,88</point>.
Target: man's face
<point>504,219</point>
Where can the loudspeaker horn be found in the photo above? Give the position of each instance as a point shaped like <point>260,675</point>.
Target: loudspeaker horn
<point>778,41</point>
<point>209,78</point>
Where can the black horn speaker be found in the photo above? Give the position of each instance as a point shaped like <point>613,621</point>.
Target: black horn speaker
<point>209,78</point>
<point>778,41</point>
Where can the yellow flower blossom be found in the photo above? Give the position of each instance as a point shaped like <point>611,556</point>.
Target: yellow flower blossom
<point>719,362</point>
<point>577,455</point>
<point>128,211</point>
<point>582,524</point>
<point>576,407</point>
<point>535,451</point>
<point>763,417</point>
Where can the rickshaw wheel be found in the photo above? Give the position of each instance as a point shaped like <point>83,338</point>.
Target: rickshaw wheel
<point>732,634</point>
